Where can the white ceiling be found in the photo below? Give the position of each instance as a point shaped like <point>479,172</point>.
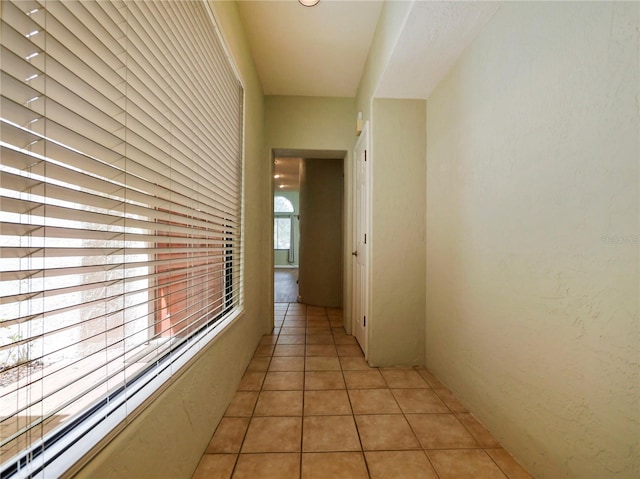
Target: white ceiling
<point>433,38</point>
<point>310,51</point>
<point>322,50</point>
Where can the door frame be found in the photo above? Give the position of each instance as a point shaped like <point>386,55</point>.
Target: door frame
<point>325,153</point>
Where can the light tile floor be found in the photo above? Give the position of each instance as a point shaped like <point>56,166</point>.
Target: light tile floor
<point>309,407</point>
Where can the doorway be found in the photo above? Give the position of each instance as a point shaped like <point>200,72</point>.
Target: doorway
<point>307,257</point>
<point>286,228</point>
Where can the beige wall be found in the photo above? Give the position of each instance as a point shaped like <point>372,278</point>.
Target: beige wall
<point>169,437</point>
<point>398,156</point>
<point>532,235</point>
<point>321,248</point>
<point>313,123</point>
<point>397,236</point>
<point>392,18</point>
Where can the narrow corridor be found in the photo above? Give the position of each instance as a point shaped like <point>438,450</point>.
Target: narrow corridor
<point>310,407</point>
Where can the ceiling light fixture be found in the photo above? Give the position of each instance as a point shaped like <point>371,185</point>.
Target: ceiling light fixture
<point>309,3</point>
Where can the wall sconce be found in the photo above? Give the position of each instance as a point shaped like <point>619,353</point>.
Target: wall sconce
<point>309,3</point>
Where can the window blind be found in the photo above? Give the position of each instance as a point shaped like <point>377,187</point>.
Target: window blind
<point>120,213</point>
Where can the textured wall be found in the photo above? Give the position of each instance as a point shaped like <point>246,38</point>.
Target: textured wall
<point>397,236</point>
<point>392,18</point>
<point>532,235</point>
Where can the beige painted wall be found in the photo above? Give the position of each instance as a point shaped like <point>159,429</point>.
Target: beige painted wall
<point>169,437</point>
<point>321,248</point>
<point>397,237</point>
<point>392,19</point>
<point>398,156</point>
<point>313,123</point>
<point>532,235</point>
<point>310,123</point>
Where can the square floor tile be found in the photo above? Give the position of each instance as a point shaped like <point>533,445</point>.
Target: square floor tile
<point>365,379</point>
<point>321,350</point>
<point>441,431</point>
<point>399,464</point>
<point>215,466</point>
<point>289,350</point>
<point>334,465</point>
<point>319,339</point>
<point>386,433</point>
<point>473,463</point>
<point>326,403</point>
<point>430,378</point>
<point>295,339</point>
<point>508,464</point>
<point>322,363</point>
<point>450,400</point>
<point>268,466</point>
<point>273,434</point>
<point>287,363</point>
<point>242,404</point>
<point>353,363</point>
<point>329,433</point>
<point>314,380</point>
<point>373,401</point>
<point>416,401</point>
<point>283,381</point>
<point>403,378</point>
<point>294,322</point>
<point>279,403</point>
<point>349,350</point>
<point>317,322</point>
<point>259,364</point>
<point>344,339</point>
<point>251,381</point>
<point>264,350</point>
<point>287,331</point>
<point>316,330</point>
<point>321,318</point>
<point>268,340</point>
<point>229,435</point>
<point>477,430</point>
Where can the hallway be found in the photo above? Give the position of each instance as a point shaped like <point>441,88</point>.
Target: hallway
<point>310,407</point>
<point>285,285</point>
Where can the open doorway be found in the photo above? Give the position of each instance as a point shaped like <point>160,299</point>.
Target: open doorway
<point>308,268</point>
<point>286,228</point>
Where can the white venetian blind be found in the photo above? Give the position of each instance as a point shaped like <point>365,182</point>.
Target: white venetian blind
<point>120,194</point>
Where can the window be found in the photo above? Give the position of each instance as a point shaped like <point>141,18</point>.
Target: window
<point>282,233</point>
<point>282,205</point>
<point>120,193</point>
<point>283,210</point>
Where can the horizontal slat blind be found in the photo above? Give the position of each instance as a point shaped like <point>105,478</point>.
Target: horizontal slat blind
<point>120,205</point>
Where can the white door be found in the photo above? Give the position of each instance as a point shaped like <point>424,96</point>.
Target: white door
<point>361,239</point>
